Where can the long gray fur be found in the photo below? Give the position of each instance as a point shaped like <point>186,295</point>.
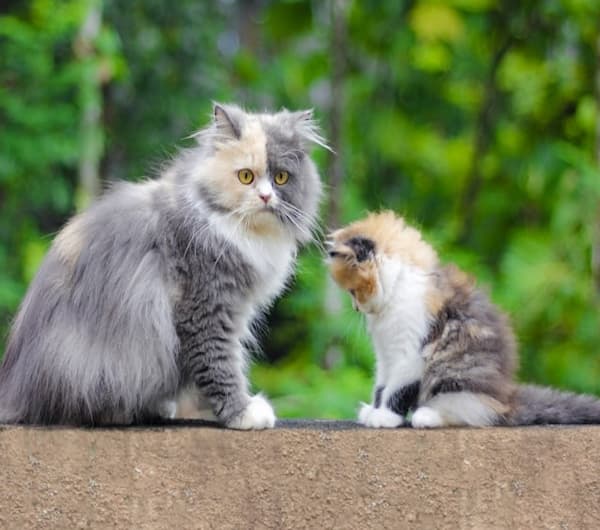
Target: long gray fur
<point>476,352</point>
<point>138,298</point>
<point>535,405</point>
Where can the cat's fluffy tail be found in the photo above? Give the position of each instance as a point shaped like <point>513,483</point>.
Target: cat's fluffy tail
<point>534,405</point>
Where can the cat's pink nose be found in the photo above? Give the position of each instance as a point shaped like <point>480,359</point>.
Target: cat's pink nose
<point>266,197</point>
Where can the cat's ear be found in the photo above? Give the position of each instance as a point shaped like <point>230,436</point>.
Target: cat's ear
<point>304,123</point>
<point>227,120</point>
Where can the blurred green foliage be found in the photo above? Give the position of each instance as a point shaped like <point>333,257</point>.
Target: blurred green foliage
<point>474,118</point>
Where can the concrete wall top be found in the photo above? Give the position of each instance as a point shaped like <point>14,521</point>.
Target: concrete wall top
<point>300,476</point>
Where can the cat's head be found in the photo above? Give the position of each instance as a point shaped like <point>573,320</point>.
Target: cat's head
<point>367,256</point>
<point>256,169</point>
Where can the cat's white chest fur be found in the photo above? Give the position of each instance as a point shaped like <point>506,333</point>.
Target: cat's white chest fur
<point>398,325</point>
<point>271,255</point>
<point>272,258</point>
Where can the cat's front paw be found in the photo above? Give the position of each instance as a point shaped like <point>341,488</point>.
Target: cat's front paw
<point>257,415</point>
<point>378,418</point>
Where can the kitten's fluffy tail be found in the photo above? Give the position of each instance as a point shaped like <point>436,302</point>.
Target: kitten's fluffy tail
<point>534,405</point>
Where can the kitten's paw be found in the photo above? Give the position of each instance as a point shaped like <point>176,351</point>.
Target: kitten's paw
<point>426,418</point>
<point>258,415</point>
<point>379,418</point>
<point>364,413</point>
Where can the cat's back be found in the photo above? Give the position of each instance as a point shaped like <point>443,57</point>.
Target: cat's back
<point>127,213</point>
<point>486,329</point>
<point>99,250</point>
<point>97,313</point>
<point>96,246</point>
<point>469,301</point>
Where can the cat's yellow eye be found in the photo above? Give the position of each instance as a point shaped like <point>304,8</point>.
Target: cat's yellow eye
<point>246,176</point>
<point>281,178</point>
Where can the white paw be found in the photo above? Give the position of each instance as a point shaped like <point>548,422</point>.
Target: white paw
<point>426,418</point>
<point>364,413</point>
<point>167,409</point>
<point>378,418</point>
<point>258,415</point>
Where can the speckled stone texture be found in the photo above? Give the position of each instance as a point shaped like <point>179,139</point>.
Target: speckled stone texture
<point>301,475</point>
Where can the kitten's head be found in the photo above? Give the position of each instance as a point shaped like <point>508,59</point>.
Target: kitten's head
<point>366,257</point>
<point>256,169</point>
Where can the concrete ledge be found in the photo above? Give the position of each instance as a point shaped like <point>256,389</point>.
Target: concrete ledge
<point>323,475</point>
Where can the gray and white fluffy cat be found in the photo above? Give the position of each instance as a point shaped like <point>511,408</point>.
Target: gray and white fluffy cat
<point>444,351</point>
<point>148,297</point>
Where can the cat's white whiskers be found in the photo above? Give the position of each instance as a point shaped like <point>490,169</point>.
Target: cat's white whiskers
<point>310,221</point>
<point>303,222</point>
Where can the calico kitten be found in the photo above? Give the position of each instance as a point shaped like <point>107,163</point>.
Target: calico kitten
<point>444,351</point>
<point>150,293</point>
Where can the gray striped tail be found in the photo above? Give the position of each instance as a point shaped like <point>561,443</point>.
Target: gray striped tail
<point>536,405</point>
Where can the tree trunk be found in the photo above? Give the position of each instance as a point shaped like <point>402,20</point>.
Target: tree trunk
<point>90,98</point>
<point>335,166</point>
<point>596,227</point>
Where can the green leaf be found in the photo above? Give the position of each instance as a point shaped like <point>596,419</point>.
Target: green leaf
<point>435,20</point>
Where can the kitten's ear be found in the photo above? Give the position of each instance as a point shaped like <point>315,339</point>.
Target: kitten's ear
<point>227,120</point>
<point>308,129</point>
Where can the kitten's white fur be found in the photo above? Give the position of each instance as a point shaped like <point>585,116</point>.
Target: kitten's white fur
<point>426,418</point>
<point>455,408</point>
<point>397,320</point>
<point>382,417</point>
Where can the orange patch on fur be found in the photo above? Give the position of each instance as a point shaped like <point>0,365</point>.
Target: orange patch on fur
<point>220,171</point>
<point>455,280</point>
<point>361,278</point>
<point>393,237</point>
<point>498,407</point>
<point>69,242</point>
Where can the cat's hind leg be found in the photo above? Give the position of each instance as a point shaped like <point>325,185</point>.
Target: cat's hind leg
<point>191,404</point>
<point>456,409</point>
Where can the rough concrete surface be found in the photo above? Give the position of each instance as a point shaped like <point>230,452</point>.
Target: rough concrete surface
<point>323,475</point>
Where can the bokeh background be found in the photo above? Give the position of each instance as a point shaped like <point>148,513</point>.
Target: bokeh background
<point>477,119</point>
